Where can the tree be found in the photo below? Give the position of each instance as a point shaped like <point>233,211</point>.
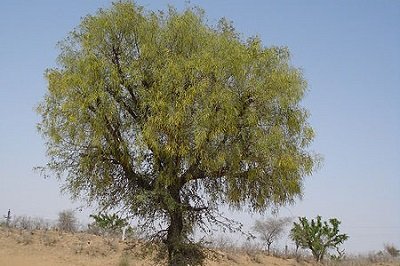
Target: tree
<point>318,236</point>
<point>166,118</point>
<point>67,221</point>
<point>270,229</point>
<point>392,250</point>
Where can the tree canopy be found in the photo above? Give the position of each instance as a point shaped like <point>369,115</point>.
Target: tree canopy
<point>168,117</point>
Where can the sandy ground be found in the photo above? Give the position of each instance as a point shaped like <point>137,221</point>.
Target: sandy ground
<point>51,248</point>
<point>40,248</point>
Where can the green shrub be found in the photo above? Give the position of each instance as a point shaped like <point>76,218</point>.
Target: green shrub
<point>318,236</point>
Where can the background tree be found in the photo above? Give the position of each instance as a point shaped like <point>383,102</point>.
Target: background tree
<point>67,221</point>
<point>166,117</point>
<point>270,229</point>
<point>318,236</point>
<point>391,250</point>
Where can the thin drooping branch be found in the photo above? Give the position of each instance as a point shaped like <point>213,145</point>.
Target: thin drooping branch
<point>123,84</point>
<point>121,153</point>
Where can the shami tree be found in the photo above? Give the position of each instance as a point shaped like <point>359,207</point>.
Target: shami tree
<point>318,236</point>
<point>166,117</point>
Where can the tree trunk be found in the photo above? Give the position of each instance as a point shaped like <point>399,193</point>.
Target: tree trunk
<point>321,257</point>
<point>175,234</point>
<point>175,239</point>
<point>180,251</point>
<point>318,255</point>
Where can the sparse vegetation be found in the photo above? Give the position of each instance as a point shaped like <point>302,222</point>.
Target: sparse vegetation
<point>221,242</point>
<point>49,239</point>
<point>25,238</point>
<point>29,223</point>
<point>104,250</point>
<point>111,243</point>
<point>124,261</point>
<point>23,222</point>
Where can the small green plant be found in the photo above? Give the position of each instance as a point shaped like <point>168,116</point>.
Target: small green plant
<point>109,224</point>
<point>318,236</point>
<point>109,221</point>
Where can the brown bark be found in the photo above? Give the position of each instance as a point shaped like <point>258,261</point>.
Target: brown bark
<point>175,239</point>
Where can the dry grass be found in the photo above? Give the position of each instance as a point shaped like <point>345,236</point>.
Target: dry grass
<point>52,248</point>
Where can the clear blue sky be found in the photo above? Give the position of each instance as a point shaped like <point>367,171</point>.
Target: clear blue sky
<point>350,54</point>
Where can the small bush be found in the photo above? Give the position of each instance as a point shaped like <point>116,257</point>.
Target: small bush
<point>29,223</point>
<point>78,248</point>
<point>40,224</point>
<point>67,221</point>
<point>392,250</point>
<point>49,240</point>
<point>25,238</point>
<point>22,222</point>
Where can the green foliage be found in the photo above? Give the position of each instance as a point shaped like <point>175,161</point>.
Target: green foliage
<point>168,117</point>
<point>109,223</point>
<point>318,236</point>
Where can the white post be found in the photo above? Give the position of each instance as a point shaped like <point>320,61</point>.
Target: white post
<point>123,232</point>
